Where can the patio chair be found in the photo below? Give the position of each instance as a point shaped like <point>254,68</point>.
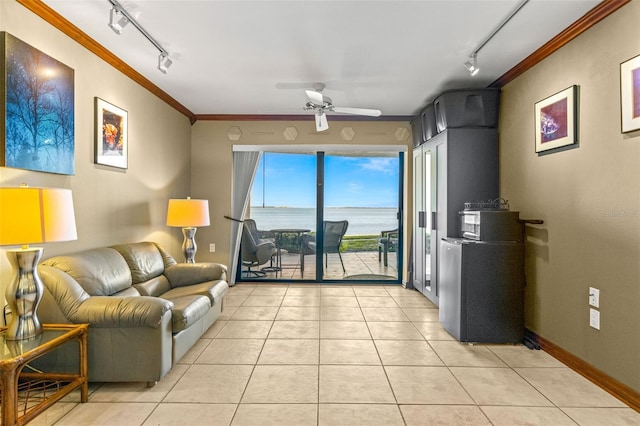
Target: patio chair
<point>387,241</point>
<point>333,233</point>
<point>254,251</point>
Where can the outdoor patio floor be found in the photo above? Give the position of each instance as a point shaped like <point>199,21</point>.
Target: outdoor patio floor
<point>358,265</point>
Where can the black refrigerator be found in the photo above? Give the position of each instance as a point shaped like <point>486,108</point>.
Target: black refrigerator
<point>482,290</point>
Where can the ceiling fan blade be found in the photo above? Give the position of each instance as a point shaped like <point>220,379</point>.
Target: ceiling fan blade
<point>321,121</point>
<point>358,111</point>
<point>315,97</point>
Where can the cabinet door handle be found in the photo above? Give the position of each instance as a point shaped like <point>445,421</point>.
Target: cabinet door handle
<point>421,223</point>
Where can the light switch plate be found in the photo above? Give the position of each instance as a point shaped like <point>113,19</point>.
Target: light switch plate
<point>212,248</point>
<point>594,318</point>
<point>594,297</point>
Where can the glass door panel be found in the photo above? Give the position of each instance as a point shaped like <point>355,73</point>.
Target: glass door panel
<point>418,243</point>
<point>360,216</point>
<point>283,206</point>
<point>428,220</point>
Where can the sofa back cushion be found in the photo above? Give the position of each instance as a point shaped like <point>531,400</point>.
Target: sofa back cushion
<point>144,259</point>
<point>154,287</point>
<point>100,272</point>
<point>127,292</point>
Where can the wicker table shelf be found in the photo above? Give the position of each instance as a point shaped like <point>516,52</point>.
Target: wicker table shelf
<point>25,395</point>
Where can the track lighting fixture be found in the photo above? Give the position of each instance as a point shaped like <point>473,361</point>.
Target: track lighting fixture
<point>121,22</point>
<point>164,62</point>
<point>119,18</point>
<point>472,64</point>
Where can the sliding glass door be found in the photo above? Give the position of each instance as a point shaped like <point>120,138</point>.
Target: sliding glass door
<point>329,215</point>
<point>361,211</point>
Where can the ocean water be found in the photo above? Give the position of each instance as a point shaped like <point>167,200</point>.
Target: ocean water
<point>362,221</point>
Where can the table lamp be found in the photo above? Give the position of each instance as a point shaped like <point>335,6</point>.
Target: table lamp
<point>188,214</point>
<point>31,216</point>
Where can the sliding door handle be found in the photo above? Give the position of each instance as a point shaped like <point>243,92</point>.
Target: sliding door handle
<point>434,221</point>
<point>421,217</point>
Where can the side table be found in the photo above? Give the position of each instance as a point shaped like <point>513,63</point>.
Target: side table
<point>37,391</point>
<point>298,232</point>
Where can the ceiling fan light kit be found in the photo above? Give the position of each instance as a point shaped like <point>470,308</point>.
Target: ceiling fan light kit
<point>322,104</point>
<point>321,121</point>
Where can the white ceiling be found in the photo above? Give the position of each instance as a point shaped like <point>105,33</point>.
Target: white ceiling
<point>257,57</point>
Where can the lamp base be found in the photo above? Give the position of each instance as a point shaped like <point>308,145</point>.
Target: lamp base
<point>24,294</point>
<point>189,246</point>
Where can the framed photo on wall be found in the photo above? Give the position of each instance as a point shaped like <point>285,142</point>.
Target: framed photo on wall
<point>37,98</point>
<point>556,120</point>
<point>111,135</point>
<point>630,94</point>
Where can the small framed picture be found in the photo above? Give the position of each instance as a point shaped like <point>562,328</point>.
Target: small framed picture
<point>111,135</point>
<point>556,120</point>
<point>630,94</point>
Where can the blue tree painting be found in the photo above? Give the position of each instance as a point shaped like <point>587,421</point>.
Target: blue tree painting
<point>39,97</point>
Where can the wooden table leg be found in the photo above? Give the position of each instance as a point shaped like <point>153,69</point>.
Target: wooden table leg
<point>9,383</point>
<point>84,366</point>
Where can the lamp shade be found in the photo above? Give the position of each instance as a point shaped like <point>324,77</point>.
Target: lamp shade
<point>188,213</point>
<point>36,215</point>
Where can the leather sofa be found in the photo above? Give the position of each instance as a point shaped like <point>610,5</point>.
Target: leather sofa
<point>144,310</point>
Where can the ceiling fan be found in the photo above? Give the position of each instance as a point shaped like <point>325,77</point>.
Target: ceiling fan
<point>320,104</point>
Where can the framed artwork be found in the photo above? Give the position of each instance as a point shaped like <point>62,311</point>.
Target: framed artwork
<point>111,135</point>
<point>556,120</point>
<point>37,96</point>
<point>630,94</point>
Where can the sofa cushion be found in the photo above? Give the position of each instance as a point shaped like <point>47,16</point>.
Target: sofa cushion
<point>127,292</point>
<point>153,287</point>
<point>187,310</point>
<point>213,290</point>
<point>100,272</point>
<point>182,274</point>
<point>123,312</point>
<point>144,260</point>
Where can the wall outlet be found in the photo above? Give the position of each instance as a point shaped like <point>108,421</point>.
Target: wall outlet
<point>594,318</point>
<point>212,248</point>
<point>594,297</point>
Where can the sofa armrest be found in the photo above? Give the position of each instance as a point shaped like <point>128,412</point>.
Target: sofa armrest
<point>182,274</point>
<point>113,311</point>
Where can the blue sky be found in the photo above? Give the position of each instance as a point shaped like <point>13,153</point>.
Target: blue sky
<point>349,181</point>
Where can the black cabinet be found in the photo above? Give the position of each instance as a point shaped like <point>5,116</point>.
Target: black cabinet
<point>482,297</point>
<point>451,168</point>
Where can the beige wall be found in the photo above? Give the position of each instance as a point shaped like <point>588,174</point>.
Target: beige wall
<point>211,161</point>
<point>589,199</point>
<point>111,205</point>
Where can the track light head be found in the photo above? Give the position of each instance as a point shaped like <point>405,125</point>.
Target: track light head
<point>164,62</point>
<point>472,65</point>
<point>117,20</point>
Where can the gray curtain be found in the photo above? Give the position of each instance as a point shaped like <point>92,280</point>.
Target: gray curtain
<point>245,164</point>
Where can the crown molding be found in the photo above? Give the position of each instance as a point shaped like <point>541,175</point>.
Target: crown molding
<point>595,15</point>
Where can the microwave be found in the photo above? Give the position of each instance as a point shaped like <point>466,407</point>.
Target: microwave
<point>491,225</point>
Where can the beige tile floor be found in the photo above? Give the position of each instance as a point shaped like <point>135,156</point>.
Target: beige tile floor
<point>346,355</point>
